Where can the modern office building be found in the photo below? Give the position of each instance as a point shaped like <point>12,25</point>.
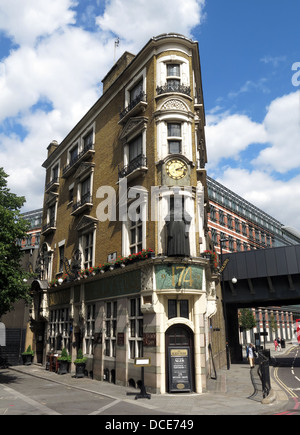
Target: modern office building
<point>123,269</point>
<point>241,225</point>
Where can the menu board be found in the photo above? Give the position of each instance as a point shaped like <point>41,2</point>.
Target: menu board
<point>179,369</point>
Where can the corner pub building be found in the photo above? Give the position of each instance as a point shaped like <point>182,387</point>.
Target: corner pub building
<point>121,285</point>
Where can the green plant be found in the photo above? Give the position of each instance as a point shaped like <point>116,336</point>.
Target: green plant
<point>80,358</point>
<point>64,356</point>
<point>246,319</point>
<point>28,351</point>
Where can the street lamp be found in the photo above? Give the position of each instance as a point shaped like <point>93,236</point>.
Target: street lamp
<point>224,306</point>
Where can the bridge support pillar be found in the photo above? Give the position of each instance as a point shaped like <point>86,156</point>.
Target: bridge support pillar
<point>236,354</point>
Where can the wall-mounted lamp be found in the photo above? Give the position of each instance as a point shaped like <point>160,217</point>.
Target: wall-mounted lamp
<point>60,281</point>
<point>234,280</point>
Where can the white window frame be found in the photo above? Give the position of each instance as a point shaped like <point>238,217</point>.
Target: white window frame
<point>135,338</point>
<point>89,262</point>
<point>132,84</point>
<point>172,138</point>
<point>59,325</point>
<point>162,69</point>
<point>56,165</point>
<point>111,329</point>
<point>128,225</point>
<point>90,329</point>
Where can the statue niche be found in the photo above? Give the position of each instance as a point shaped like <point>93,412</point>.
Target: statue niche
<point>177,226</point>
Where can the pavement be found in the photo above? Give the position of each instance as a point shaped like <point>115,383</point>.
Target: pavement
<point>230,394</point>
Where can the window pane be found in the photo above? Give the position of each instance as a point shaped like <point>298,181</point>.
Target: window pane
<point>73,154</point>
<point>174,130</point>
<point>132,308</point>
<point>174,146</point>
<point>173,70</point>
<point>172,308</point>
<point>184,309</point>
<point>136,91</point>
<point>85,186</point>
<point>88,140</point>
<point>132,237</point>
<point>140,326</point>
<point>135,148</point>
<point>173,85</point>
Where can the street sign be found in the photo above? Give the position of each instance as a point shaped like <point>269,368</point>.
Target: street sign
<point>142,362</point>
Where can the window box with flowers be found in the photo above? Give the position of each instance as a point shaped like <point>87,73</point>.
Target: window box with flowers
<point>102,268</point>
<point>212,256</point>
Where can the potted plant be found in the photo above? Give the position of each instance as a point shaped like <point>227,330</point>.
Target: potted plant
<point>80,363</point>
<point>64,361</point>
<point>27,356</point>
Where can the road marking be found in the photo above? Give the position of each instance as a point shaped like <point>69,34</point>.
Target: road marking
<point>44,409</point>
<point>104,408</point>
<point>285,387</point>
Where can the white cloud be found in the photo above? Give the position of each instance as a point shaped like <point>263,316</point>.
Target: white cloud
<point>262,183</point>
<point>25,21</point>
<point>282,126</point>
<point>142,19</point>
<point>227,136</point>
<point>53,60</point>
<point>275,197</point>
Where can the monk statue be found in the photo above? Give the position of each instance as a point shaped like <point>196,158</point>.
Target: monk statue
<point>178,244</point>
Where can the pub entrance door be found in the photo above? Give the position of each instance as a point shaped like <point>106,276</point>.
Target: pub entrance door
<point>179,359</point>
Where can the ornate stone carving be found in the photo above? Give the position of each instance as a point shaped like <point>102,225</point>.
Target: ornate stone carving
<point>174,104</point>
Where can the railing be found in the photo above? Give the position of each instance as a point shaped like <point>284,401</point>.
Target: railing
<point>87,148</point>
<point>173,87</point>
<point>86,199</point>
<point>141,97</point>
<point>261,382</point>
<point>138,162</point>
<point>49,225</point>
<point>52,182</point>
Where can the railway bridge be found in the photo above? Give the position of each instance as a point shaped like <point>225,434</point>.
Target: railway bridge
<point>258,278</point>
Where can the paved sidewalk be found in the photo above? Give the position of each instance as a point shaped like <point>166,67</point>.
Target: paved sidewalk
<point>228,394</point>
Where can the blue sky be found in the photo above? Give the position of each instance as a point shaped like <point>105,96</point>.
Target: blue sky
<point>54,54</point>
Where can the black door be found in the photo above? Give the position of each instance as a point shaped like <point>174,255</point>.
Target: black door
<point>179,359</point>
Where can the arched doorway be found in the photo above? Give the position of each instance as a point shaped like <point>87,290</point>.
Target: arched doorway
<point>179,359</point>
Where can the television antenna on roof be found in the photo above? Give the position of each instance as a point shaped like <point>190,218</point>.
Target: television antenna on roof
<point>117,43</point>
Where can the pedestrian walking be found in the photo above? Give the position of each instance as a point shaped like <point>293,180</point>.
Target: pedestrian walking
<point>276,344</point>
<point>279,344</point>
<point>251,355</point>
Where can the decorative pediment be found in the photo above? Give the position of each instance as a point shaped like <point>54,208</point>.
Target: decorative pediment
<point>83,169</point>
<point>86,222</point>
<point>133,126</point>
<point>174,104</point>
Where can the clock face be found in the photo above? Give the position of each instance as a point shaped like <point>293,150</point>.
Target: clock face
<point>176,169</point>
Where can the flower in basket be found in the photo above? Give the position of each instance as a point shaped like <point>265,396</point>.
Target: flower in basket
<point>213,257</point>
<point>92,271</point>
<point>120,260</point>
